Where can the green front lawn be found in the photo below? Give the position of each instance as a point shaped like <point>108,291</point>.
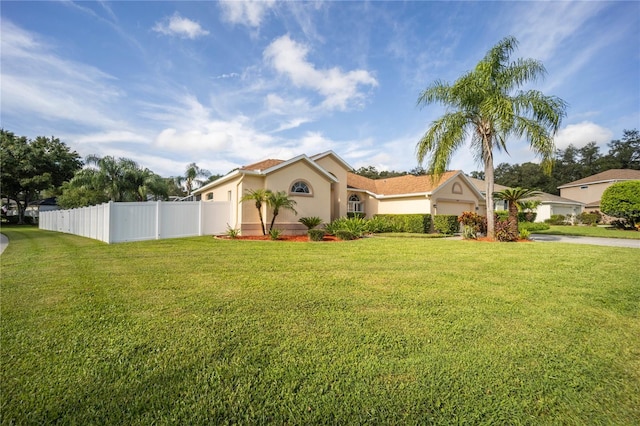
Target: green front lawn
<point>591,231</point>
<point>379,330</point>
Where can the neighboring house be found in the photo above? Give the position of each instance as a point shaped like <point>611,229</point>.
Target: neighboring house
<point>553,205</point>
<point>323,185</point>
<point>590,189</point>
<point>549,204</point>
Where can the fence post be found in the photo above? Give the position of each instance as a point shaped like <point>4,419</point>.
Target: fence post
<point>158,218</point>
<point>201,217</point>
<point>109,222</point>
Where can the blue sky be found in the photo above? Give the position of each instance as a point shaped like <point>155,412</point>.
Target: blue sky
<point>227,84</point>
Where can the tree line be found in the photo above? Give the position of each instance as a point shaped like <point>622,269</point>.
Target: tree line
<point>569,164</point>
<point>46,167</point>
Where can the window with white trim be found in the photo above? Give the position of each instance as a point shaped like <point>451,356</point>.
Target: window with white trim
<point>300,187</point>
<point>355,205</point>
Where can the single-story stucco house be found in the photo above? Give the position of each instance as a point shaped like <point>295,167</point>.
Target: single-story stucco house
<point>323,185</point>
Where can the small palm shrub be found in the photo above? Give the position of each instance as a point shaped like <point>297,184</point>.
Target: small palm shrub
<point>524,234</point>
<point>316,234</point>
<point>232,233</point>
<point>335,225</point>
<point>355,225</point>
<point>310,222</point>
<point>274,233</point>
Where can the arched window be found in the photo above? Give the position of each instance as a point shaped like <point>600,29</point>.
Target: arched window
<point>355,205</point>
<point>300,187</point>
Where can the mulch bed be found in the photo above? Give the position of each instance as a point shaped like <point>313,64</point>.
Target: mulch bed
<point>291,238</point>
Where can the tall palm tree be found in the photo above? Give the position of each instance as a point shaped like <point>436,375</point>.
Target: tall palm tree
<point>259,196</point>
<point>482,104</point>
<point>110,175</point>
<point>513,196</point>
<point>193,177</point>
<point>279,200</point>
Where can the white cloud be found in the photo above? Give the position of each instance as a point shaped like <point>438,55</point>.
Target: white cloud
<point>246,12</point>
<point>111,137</point>
<point>176,25</point>
<point>214,136</point>
<point>581,134</point>
<point>36,81</point>
<point>340,89</point>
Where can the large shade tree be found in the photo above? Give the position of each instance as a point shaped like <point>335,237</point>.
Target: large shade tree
<point>29,167</point>
<point>485,106</point>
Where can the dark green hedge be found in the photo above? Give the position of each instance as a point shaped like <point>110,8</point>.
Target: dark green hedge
<point>446,224</point>
<point>414,223</point>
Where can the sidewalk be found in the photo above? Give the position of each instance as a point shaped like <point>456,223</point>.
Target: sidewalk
<point>611,242</point>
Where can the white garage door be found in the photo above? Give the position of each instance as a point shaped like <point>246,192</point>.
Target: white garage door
<point>450,207</point>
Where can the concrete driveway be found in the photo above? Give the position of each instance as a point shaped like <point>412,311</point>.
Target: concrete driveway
<point>611,242</point>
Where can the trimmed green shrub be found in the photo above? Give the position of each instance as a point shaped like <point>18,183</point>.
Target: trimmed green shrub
<point>316,234</point>
<point>587,218</point>
<point>310,222</point>
<point>413,223</point>
<point>533,227</point>
<point>446,224</point>
<point>622,200</point>
<point>343,234</point>
<point>527,217</point>
<point>556,219</point>
<point>380,223</point>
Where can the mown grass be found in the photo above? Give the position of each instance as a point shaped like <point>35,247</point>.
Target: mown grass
<point>379,330</point>
<point>590,231</point>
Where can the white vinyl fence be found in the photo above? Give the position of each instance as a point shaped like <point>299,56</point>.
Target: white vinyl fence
<point>118,222</point>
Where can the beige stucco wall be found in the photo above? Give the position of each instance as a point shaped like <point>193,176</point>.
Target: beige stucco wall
<point>221,193</point>
<point>339,195</point>
<point>316,204</point>
<point>592,192</point>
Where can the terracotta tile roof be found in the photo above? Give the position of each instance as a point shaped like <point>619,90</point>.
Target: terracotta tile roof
<point>408,184</point>
<point>262,165</point>
<point>608,175</point>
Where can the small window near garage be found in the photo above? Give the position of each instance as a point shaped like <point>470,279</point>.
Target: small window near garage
<point>355,205</point>
<point>457,188</point>
<point>210,196</point>
<point>300,187</point>
<point>584,187</point>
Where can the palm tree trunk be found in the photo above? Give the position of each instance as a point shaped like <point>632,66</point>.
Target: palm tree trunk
<point>488,178</point>
<point>513,217</point>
